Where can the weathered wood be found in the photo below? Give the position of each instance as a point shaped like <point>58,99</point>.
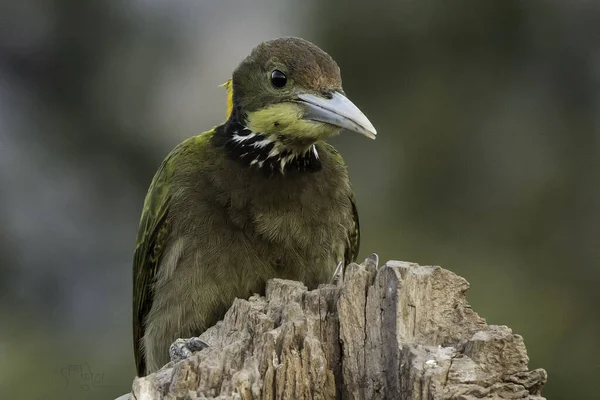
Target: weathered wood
<point>401,332</point>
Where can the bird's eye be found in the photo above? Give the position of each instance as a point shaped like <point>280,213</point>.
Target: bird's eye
<point>278,78</point>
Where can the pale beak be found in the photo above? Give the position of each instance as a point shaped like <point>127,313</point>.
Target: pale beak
<point>338,111</point>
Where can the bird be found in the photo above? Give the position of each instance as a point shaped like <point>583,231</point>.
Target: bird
<point>260,196</point>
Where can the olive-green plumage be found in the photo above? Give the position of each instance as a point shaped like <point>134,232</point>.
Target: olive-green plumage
<point>258,197</point>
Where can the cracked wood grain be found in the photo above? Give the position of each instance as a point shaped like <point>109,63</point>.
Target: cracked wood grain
<point>404,331</point>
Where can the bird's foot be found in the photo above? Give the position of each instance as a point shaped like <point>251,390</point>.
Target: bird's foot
<point>184,348</point>
<point>372,263</point>
<point>338,275</point>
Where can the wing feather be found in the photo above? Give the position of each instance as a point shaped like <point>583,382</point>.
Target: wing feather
<point>151,241</point>
<point>353,236</point>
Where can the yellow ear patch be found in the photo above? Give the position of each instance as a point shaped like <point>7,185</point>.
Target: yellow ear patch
<point>229,87</point>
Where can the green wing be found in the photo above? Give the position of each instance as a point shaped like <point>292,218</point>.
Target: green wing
<point>150,241</point>
<point>353,236</point>
<point>353,244</point>
<point>153,233</point>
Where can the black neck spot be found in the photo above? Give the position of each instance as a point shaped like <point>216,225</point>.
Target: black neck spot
<point>255,150</point>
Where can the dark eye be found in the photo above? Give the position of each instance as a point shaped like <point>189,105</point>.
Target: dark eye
<point>278,78</point>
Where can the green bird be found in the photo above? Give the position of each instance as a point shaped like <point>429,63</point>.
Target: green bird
<point>258,197</point>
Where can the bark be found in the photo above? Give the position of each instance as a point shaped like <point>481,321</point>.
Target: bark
<point>400,332</point>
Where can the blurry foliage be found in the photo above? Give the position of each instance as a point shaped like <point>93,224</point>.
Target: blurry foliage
<point>487,163</point>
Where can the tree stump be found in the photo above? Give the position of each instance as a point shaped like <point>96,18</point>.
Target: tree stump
<point>403,331</point>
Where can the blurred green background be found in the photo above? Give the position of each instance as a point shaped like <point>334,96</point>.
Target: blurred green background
<point>487,161</point>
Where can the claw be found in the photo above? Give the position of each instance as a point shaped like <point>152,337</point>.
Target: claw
<point>184,348</point>
<point>372,263</point>
<point>338,275</point>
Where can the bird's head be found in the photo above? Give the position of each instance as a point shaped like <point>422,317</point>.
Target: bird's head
<point>288,94</point>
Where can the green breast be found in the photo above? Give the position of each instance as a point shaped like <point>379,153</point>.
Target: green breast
<point>292,226</point>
